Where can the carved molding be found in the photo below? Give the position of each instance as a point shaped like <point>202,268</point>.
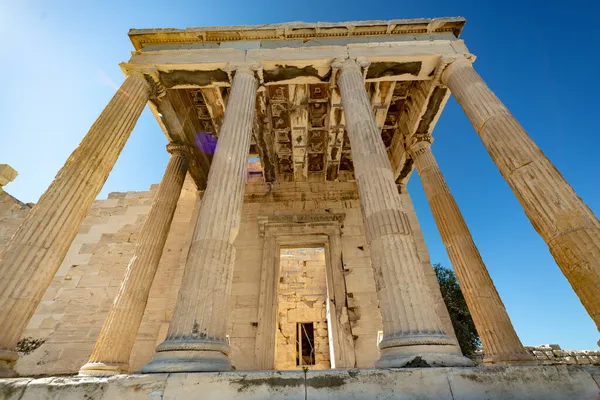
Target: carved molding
<point>178,148</point>
<point>310,220</point>
<point>420,138</point>
<point>297,30</point>
<point>293,229</point>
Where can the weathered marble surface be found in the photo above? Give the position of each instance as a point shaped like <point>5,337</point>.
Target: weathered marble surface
<point>501,343</point>
<point>418,383</point>
<point>411,326</point>
<point>7,174</point>
<point>567,225</point>
<point>34,255</point>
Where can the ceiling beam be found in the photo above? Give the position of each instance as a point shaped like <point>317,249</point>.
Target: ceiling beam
<point>299,128</point>
<point>381,98</point>
<point>175,129</point>
<point>318,131</point>
<point>215,105</point>
<point>263,136</point>
<point>336,134</point>
<point>279,113</point>
<point>421,114</point>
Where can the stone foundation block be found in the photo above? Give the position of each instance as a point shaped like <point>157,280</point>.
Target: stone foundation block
<point>544,383</point>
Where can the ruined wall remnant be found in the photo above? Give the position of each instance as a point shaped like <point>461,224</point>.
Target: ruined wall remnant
<point>74,307</point>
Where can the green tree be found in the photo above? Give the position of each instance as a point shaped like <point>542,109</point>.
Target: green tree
<point>467,335</point>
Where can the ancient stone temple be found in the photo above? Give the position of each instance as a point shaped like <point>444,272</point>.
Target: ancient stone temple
<point>282,235</point>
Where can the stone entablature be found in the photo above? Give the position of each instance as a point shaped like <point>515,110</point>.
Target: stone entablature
<point>142,38</point>
<point>299,131</point>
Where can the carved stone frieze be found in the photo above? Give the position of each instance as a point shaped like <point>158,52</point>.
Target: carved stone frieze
<point>266,223</point>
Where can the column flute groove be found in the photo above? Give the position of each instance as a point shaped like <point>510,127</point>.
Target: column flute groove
<point>117,337</point>
<point>500,341</point>
<point>196,339</point>
<point>567,225</point>
<point>33,255</point>
<point>411,327</point>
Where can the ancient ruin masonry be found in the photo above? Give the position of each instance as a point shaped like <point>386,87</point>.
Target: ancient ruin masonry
<point>282,235</point>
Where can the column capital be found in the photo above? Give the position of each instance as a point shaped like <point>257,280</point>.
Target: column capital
<point>255,69</point>
<point>339,65</point>
<point>7,174</point>
<point>180,149</point>
<point>336,65</point>
<point>158,90</point>
<point>421,139</point>
<point>339,62</point>
<point>449,64</point>
<point>360,62</point>
<point>151,76</point>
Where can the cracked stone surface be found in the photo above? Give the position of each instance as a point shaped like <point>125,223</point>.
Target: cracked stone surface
<point>493,383</point>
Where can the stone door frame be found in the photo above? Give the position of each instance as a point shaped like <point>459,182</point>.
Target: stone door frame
<point>303,230</point>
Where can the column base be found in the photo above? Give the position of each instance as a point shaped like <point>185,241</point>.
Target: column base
<point>102,369</point>
<point>422,356</point>
<point>510,359</point>
<point>191,355</point>
<point>187,361</point>
<point>7,363</point>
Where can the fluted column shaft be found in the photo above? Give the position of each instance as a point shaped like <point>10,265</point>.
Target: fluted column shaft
<point>567,225</point>
<point>37,249</point>
<point>500,341</point>
<point>117,337</point>
<point>196,340</point>
<point>411,327</point>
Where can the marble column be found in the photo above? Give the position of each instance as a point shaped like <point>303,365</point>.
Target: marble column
<point>39,246</point>
<point>412,331</point>
<point>428,271</point>
<point>196,340</point>
<point>500,341</point>
<point>567,225</point>
<point>117,337</point>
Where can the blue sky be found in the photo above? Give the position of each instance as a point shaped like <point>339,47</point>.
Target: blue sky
<point>59,68</point>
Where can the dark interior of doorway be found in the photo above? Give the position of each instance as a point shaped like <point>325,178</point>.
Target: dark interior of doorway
<point>305,344</point>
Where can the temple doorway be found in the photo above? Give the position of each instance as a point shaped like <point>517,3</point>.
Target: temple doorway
<point>302,334</point>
